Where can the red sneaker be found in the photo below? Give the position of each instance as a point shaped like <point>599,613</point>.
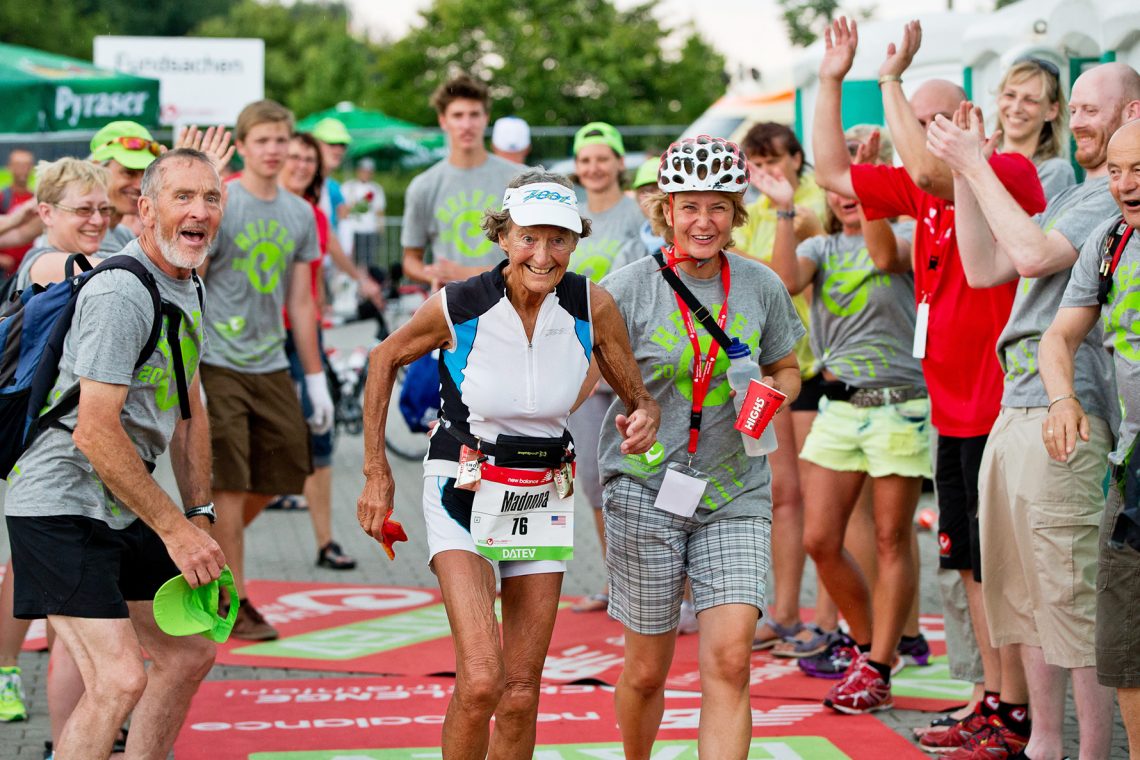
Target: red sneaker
<point>953,737</point>
<point>863,690</point>
<point>993,742</point>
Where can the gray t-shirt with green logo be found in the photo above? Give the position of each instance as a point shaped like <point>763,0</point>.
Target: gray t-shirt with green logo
<point>761,315</point>
<point>1074,213</point>
<point>862,319</point>
<point>443,210</point>
<point>615,240</point>
<point>1120,323</point>
<point>113,319</point>
<point>1056,175</point>
<point>249,271</point>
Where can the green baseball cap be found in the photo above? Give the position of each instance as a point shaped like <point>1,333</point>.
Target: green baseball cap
<point>181,611</point>
<point>647,173</point>
<point>127,142</point>
<point>331,131</point>
<point>599,132</point>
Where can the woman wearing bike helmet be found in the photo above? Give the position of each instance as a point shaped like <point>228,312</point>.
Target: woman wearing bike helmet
<point>718,534</point>
<point>517,344</point>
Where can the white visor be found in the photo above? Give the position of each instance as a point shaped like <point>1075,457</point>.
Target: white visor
<point>543,203</point>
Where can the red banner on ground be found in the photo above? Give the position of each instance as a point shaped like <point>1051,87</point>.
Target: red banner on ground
<point>386,718</point>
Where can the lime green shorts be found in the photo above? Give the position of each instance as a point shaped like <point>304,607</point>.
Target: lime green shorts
<point>880,440</point>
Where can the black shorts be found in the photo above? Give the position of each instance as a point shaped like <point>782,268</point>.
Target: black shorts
<point>956,479</point>
<point>81,567</point>
<point>811,391</point>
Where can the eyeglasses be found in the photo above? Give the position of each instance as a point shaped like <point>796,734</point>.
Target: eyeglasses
<point>87,211</point>
<point>136,143</point>
<point>301,159</point>
<point>1046,66</point>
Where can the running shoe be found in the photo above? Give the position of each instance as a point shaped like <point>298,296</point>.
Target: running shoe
<point>993,742</point>
<point>862,691</point>
<point>832,662</point>
<point>953,737</point>
<point>916,653</point>
<point>11,696</point>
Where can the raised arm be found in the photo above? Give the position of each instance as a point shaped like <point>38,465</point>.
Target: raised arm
<point>832,162</point>
<point>426,331</point>
<point>795,272</point>
<point>1066,419</point>
<point>638,426</point>
<point>909,136</point>
<point>1022,248</point>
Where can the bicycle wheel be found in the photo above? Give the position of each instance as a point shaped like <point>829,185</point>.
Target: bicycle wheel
<point>399,439</point>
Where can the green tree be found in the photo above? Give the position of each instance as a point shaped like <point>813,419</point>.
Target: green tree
<point>553,62</point>
<point>311,60</point>
<point>58,26</point>
<point>154,18</point>
<point>806,19</point>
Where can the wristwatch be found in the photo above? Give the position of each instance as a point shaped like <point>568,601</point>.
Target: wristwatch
<point>205,509</point>
<point>790,214</point>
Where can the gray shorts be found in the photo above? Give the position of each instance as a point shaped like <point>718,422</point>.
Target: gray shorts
<point>651,553</point>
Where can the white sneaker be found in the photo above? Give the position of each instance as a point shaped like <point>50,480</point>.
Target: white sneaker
<point>688,622</point>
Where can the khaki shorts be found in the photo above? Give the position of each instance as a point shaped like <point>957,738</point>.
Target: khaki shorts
<point>260,439</point>
<point>1118,605</point>
<point>1039,522</point>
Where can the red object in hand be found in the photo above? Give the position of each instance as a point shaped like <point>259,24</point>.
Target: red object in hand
<point>392,531</point>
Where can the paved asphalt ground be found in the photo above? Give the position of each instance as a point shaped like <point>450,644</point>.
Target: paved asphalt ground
<point>280,546</point>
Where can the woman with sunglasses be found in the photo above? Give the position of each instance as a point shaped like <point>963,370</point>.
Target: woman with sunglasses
<point>1032,117</point>
<point>72,199</point>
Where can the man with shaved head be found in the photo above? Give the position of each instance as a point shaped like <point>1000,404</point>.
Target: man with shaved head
<point>957,326</point>
<point>1112,294</point>
<point>1039,516</point>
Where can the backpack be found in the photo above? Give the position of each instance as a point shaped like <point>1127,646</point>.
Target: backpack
<point>419,396</point>
<point>33,326</point>
<point>1114,244</point>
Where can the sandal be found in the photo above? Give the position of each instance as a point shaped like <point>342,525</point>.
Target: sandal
<point>783,633</point>
<point>818,641</point>
<point>599,602</point>
<point>334,558</point>
<point>288,503</point>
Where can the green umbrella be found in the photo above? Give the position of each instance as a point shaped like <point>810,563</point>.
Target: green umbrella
<point>376,133</point>
<point>44,92</point>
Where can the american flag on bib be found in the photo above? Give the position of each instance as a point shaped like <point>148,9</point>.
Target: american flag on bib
<point>558,519</point>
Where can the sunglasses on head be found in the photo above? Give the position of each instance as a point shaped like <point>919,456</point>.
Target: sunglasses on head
<point>136,143</point>
<point>1044,65</point>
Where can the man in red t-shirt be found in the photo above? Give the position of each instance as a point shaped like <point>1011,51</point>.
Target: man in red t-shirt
<point>20,163</point>
<point>957,326</point>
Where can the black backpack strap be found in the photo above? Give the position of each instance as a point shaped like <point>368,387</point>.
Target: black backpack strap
<point>699,311</point>
<point>1111,252</point>
<point>73,261</point>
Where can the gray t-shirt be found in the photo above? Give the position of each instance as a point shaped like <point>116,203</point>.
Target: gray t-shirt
<point>761,315</point>
<point>862,319</point>
<point>116,239</point>
<point>615,240</point>
<point>1056,175</point>
<point>113,319</point>
<point>24,273</point>
<point>1120,323</point>
<point>443,210</point>
<point>1074,213</point>
<point>250,265</point>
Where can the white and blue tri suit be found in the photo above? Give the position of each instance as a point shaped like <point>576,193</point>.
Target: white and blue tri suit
<point>494,381</point>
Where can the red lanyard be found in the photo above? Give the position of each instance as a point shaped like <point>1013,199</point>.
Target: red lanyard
<point>702,367</point>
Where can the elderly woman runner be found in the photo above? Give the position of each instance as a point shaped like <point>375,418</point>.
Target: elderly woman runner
<point>701,508</point>
<point>519,344</point>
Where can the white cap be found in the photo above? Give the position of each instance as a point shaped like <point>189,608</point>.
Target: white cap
<point>510,134</point>
<point>543,203</point>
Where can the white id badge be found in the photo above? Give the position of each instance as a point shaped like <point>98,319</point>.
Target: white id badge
<point>922,319</point>
<point>681,491</point>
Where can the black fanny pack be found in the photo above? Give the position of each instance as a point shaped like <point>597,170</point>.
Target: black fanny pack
<point>518,450</point>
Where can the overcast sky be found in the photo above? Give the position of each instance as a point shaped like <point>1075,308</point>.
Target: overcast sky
<point>758,37</point>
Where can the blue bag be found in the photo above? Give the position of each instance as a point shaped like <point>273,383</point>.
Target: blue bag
<point>419,397</point>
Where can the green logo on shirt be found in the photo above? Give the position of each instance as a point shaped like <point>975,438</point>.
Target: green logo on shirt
<point>850,278</point>
<point>593,258</point>
<point>672,335</point>
<point>1124,307</point>
<point>165,392</point>
<point>460,220</point>
<point>268,245</point>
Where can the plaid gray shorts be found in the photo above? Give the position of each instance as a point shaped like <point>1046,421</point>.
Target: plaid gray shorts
<point>651,552</point>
